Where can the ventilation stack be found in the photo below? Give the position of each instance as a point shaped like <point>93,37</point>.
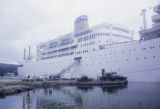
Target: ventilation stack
<point>81,24</point>
<point>29,52</point>
<point>144,19</point>
<point>24,56</point>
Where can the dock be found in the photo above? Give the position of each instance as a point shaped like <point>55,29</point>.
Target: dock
<point>13,87</point>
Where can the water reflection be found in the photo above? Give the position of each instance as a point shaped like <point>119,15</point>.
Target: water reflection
<point>133,96</point>
<point>85,88</point>
<point>75,95</point>
<point>27,101</point>
<point>112,88</point>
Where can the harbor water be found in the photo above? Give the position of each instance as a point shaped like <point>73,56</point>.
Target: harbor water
<point>133,96</point>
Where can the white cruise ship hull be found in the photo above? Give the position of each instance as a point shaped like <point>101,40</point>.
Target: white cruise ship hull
<point>139,61</point>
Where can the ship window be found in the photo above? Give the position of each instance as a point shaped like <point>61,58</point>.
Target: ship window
<point>80,40</point>
<point>152,47</point>
<point>75,46</point>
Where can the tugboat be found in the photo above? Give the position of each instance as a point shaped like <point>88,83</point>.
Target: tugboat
<point>107,78</point>
<point>113,78</point>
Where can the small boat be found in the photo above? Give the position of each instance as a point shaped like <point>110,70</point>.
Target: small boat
<point>109,78</point>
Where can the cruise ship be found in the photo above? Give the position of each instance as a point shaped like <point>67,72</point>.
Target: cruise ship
<point>88,50</point>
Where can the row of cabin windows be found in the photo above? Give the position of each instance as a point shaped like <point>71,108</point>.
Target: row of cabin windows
<point>85,38</point>
<point>121,36</point>
<point>55,44</point>
<point>63,49</point>
<point>43,58</point>
<point>80,52</point>
<point>110,41</point>
<point>127,60</point>
<point>60,55</point>
<point>151,47</point>
<point>64,54</point>
<point>70,41</point>
<point>92,36</point>
<point>87,44</point>
<point>137,59</point>
<point>60,50</point>
<point>143,49</point>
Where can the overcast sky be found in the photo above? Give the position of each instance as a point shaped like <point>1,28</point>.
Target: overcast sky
<point>29,22</point>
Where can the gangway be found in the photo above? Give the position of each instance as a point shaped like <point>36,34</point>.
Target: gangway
<point>69,67</point>
<point>77,61</point>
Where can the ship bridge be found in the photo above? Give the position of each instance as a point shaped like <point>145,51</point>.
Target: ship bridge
<point>153,32</point>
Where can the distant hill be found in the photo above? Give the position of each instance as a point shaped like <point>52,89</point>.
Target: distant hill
<point>7,68</point>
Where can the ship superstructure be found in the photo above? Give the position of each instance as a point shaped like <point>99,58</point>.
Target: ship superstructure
<point>89,50</point>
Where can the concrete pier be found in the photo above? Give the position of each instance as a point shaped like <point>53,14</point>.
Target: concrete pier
<point>13,87</point>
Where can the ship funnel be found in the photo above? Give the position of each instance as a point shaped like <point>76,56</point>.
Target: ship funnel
<point>29,52</point>
<point>81,24</point>
<point>24,56</point>
<point>37,53</point>
<point>144,19</point>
